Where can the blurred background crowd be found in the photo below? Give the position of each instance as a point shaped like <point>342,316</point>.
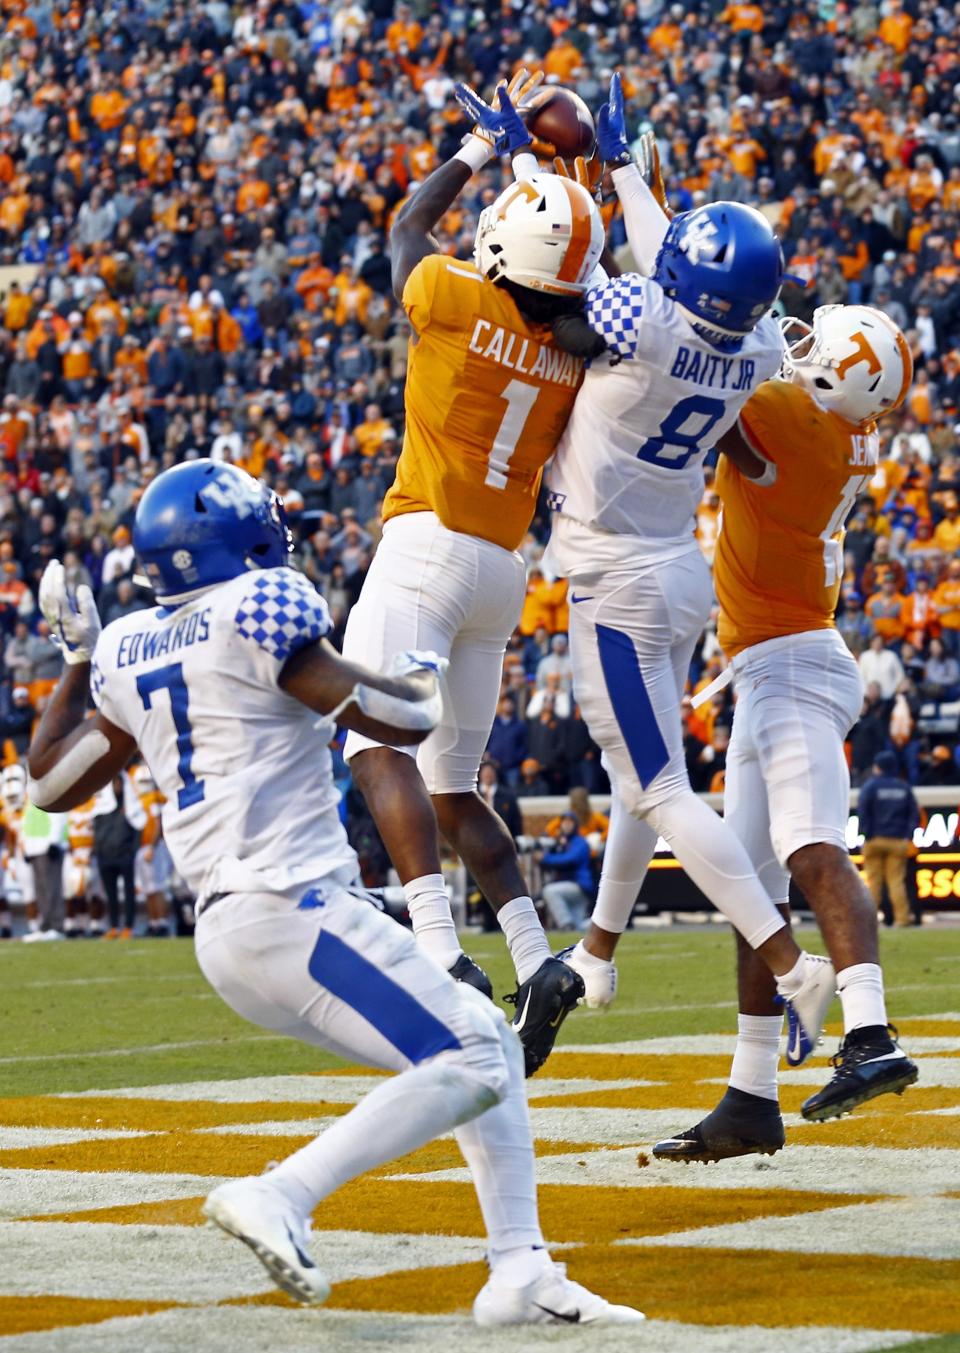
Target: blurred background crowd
<point>194,208</point>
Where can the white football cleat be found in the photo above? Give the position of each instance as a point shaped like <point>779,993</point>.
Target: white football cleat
<point>807,1008</point>
<point>599,976</point>
<point>551,1299</point>
<point>256,1213</point>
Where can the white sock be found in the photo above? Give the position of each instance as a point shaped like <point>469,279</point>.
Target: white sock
<point>630,848</point>
<point>718,864</point>
<point>587,960</point>
<point>429,909</point>
<point>400,1115</point>
<point>861,995</point>
<point>498,1148</point>
<point>789,983</point>
<point>525,936</point>
<point>756,1055</point>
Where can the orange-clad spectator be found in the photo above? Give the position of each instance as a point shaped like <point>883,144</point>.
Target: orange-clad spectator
<point>201,318</point>
<point>867,116</point>
<point>21,26</point>
<point>14,205</point>
<point>919,401</point>
<point>48,324</point>
<point>591,822</point>
<point>404,31</point>
<point>371,433</point>
<point>423,160</point>
<point>16,425</point>
<point>919,614</point>
<point>951,190</point>
<point>7,167</point>
<point>803,263</point>
<point>131,357</point>
<point>342,94</point>
<point>252,194</point>
<point>108,108</point>
<point>666,38</point>
<point>563,60</point>
<point>541,602</point>
<point>421,72</point>
<point>228,335</point>
<point>852,255</point>
<point>826,150</point>
<point>133,434</point>
<point>314,283</point>
<point>353,296</point>
<point>743,18</point>
<point>744,151</point>
<point>75,360</point>
<point>16,311</point>
<point>924,183</point>
<point>896,27</point>
<point>103,311</point>
<point>946,535</point>
<point>885,610</point>
<point>947,599</point>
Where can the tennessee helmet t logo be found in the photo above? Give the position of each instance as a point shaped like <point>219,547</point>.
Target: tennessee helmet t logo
<point>521,189</point>
<point>862,353</point>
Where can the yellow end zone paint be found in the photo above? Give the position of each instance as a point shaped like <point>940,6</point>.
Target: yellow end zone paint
<point>30,1315</point>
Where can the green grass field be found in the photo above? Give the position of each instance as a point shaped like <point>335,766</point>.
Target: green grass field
<point>93,1015</point>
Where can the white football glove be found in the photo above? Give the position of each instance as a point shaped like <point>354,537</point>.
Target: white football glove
<point>73,620</point>
<point>413,660</point>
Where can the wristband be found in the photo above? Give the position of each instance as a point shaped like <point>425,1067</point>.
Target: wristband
<point>525,164</point>
<point>475,153</point>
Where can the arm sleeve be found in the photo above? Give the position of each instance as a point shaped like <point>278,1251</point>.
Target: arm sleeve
<point>642,215</point>
<point>278,612</point>
<point>615,310</point>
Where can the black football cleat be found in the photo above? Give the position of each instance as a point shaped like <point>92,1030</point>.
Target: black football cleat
<point>543,1002</point>
<point>465,970</point>
<point>870,1063</point>
<point>740,1125</point>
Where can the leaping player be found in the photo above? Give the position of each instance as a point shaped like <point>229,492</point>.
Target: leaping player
<point>805,448</point>
<point>488,395</point>
<point>219,686</point>
<point>684,343</point>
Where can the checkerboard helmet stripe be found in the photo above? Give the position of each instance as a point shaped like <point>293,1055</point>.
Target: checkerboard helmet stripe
<point>613,311</point>
<point>282,612</point>
<point>205,522</point>
<point>543,232</point>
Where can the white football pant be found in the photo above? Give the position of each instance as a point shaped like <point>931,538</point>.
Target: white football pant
<point>335,972</point>
<point>430,588</point>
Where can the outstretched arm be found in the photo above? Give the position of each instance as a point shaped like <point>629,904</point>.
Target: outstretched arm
<point>72,756</point>
<point>399,707</point>
<point>639,188</point>
<point>496,130</point>
<point>741,454</point>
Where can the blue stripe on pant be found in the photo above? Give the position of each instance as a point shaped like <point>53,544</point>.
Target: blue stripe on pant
<point>392,1011</point>
<point>631,703</point>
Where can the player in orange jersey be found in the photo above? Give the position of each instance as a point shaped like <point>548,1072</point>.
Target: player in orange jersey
<point>488,394</point>
<point>804,451</point>
<point>82,893</point>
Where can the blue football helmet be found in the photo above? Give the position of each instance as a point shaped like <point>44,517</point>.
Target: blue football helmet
<point>723,266</point>
<point>205,522</point>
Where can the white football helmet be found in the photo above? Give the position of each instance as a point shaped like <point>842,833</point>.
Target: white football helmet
<point>543,232</point>
<point>13,787</point>
<point>853,361</point>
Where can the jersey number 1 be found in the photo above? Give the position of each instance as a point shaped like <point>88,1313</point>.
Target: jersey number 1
<point>520,400</point>
<point>170,678</point>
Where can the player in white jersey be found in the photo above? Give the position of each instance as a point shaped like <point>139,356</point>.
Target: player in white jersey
<point>681,346</point>
<point>220,686</point>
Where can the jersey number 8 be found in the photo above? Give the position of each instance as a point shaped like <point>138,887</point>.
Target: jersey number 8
<point>683,442</point>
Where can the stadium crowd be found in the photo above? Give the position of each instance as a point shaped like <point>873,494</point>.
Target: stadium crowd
<point>194,210</point>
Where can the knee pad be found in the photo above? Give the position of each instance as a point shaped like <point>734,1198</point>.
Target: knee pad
<point>487,1045</point>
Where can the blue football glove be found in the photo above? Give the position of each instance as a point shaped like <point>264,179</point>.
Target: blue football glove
<point>612,127</point>
<point>503,127</point>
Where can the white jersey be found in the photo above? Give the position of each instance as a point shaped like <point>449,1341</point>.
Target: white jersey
<point>245,773</point>
<point>650,409</point>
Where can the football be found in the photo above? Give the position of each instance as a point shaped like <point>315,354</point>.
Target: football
<point>562,118</point>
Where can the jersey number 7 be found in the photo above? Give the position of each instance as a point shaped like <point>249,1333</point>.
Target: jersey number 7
<point>170,678</point>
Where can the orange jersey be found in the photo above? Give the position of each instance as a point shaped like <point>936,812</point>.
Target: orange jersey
<point>80,830</point>
<point>779,558</point>
<point>488,396</point>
